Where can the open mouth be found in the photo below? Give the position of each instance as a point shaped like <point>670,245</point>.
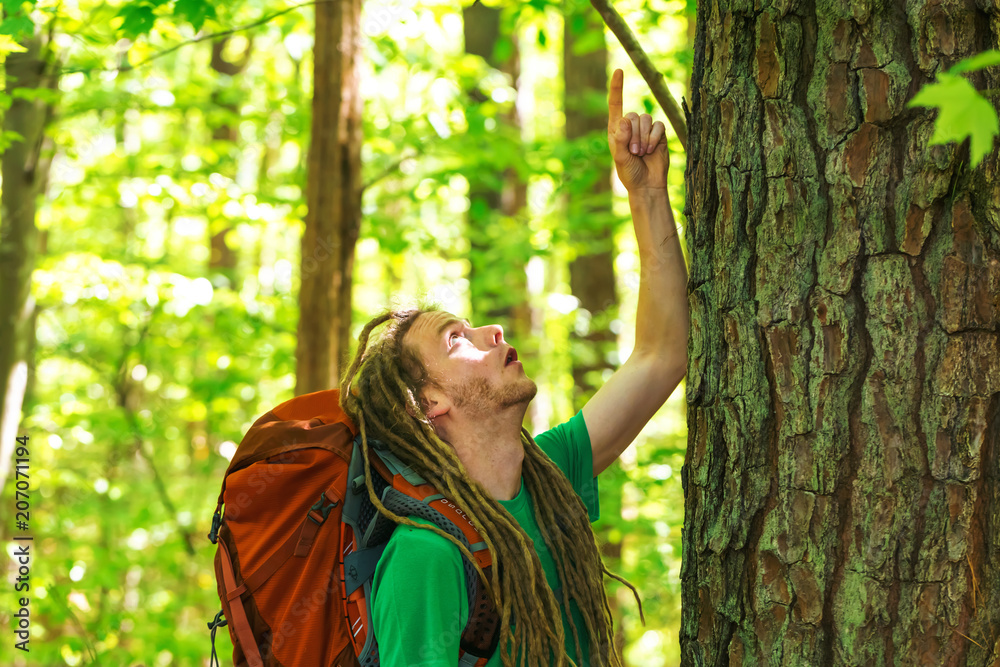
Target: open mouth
<point>511,357</point>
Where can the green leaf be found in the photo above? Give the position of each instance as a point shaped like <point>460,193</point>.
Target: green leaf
<point>7,138</point>
<point>138,19</point>
<point>17,26</point>
<point>542,37</point>
<point>46,95</point>
<point>12,7</point>
<point>194,12</point>
<point>8,45</point>
<point>963,112</point>
<point>977,62</point>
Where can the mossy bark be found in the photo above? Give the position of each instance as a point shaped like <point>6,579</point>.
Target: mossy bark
<point>842,492</point>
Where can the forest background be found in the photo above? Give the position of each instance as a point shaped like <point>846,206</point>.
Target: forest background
<point>165,290</point>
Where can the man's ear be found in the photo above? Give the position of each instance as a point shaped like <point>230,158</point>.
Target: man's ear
<point>433,401</point>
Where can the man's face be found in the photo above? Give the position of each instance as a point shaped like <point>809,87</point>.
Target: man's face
<point>475,369</point>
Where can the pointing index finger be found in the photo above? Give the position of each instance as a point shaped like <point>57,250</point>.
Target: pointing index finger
<point>615,99</point>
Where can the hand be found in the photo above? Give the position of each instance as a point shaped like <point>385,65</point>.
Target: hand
<point>645,169</point>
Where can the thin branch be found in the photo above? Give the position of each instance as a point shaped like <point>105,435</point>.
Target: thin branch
<point>645,66</point>
<point>161,488</point>
<point>388,170</point>
<point>195,40</point>
<point>87,640</point>
<point>121,389</point>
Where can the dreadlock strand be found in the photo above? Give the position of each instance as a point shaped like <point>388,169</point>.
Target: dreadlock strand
<point>555,548</point>
<point>632,588</point>
<point>581,580</point>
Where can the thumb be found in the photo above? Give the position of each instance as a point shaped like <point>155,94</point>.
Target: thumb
<point>622,136</point>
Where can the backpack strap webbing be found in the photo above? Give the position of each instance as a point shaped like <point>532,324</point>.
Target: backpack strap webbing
<point>241,625</point>
<point>298,543</point>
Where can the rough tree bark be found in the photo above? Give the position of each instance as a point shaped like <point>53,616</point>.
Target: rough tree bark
<point>842,493</point>
<point>496,295</point>
<point>25,170</point>
<point>333,194</point>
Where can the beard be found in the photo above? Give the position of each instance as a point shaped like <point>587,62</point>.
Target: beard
<point>480,397</point>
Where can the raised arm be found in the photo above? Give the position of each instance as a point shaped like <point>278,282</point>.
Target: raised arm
<point>630,397</point>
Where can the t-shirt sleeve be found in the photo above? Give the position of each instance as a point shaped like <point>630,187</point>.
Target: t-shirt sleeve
<point>419,601</point>
<point>568,445</point>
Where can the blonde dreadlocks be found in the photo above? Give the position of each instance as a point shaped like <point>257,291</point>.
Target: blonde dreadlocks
<point>380,392</point>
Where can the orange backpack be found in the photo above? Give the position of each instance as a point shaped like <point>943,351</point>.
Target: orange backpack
<point>300,539</point>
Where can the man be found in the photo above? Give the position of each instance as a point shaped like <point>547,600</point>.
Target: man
<point>449,400</point>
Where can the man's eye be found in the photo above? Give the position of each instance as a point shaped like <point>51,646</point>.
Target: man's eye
<point>454,336</point>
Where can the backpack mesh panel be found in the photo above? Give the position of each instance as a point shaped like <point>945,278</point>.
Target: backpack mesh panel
<point>368,510</point>
<point>402,504</point>
<point>371,658</point>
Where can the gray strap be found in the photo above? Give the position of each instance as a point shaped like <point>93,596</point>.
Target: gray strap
<point>396,466</point>
<point>467,660</point>
<point>359,566</point>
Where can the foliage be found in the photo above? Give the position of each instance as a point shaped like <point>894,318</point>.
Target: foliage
<point>963,112</point>
<point>151,362</point>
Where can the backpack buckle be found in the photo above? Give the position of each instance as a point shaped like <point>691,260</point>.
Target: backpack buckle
<point>323,509</point>
<point>213,535</point>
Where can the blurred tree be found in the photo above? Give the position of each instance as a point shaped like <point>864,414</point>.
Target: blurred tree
<point>495,222</point>
<point>333,195</point>
<point>30,80</point>
<point>592,271</point>
<point>842,486</point>
<point>592,275</point>
<point>225,134</point>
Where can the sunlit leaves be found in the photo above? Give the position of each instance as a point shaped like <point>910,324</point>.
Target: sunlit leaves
<point>194,12</point>
<point>962,111</point>
<point>977,62</point>
<point>139,16</point>
<point>8,46</point>
<point>16,25</point>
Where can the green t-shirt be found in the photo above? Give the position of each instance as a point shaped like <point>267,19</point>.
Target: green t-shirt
<point>419,619</point>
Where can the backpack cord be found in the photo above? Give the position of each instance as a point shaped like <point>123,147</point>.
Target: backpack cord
<point>214,625</point>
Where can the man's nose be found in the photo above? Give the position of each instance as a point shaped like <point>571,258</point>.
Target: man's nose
<point>494,334</point>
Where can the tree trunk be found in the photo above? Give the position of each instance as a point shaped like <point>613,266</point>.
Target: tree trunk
<point>225,96</point>
<point>24,172</point>
<point>592,272</point>
<point>842,498</point>
<point>495,218</point>
<point>333,194</point>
